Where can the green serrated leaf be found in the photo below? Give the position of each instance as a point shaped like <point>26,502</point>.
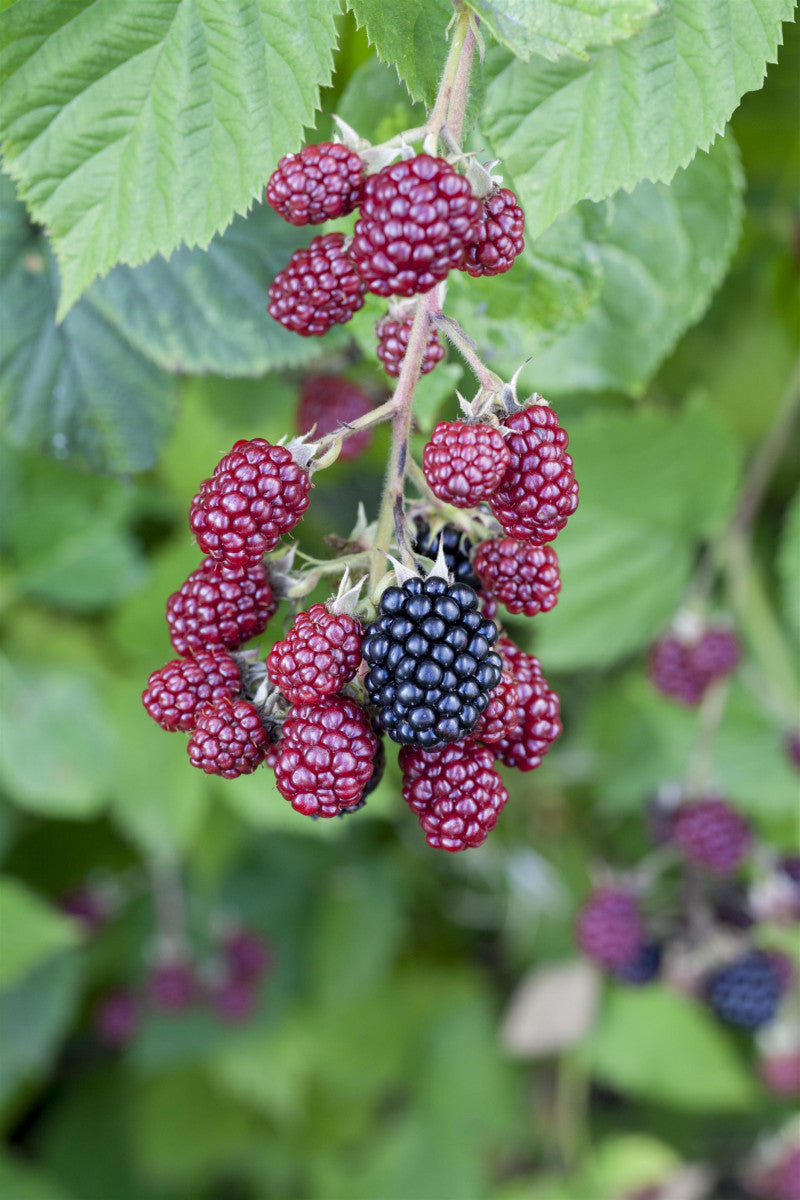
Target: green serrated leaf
<point>665,1047</point>
<point>78,389</point>
<point>32,931</point>
<point>207,310</point>
<point>132,128</point>
<point>577,130</point>
<point>409,35</point>
<point>552,28</point>
<point>662,257</point>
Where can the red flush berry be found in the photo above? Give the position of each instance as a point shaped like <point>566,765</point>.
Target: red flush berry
<point>317,289</point>
<point>326,756</point>
<point>416,219</point>
<point>319,184</point>
<point>609,928</point>
<point>464,464</point>
<point>538,492</point>
<point>392,335</point>
<point>522,576</point>
<point>455,792</point>
<point>175,693</point>
<point>319,655</point>
<point>256,494</point>
<point>499,238</point>
<point>712,834</point>
<point>220,607</point>
<point>538,711</point>
<point>228,739</point>
<point>502,717</point>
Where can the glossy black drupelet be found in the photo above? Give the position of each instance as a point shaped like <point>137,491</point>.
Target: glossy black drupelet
<point>745,992</point>
<point>432,666</point>
<point>457,552</point>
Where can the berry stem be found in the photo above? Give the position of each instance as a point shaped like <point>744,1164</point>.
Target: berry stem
<point>451,100</point>
<point>169,905</point>
<point>466,348</point>
<point>374,417</point>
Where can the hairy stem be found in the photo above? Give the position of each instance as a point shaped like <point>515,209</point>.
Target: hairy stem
<point>374,417</point>
<point>466,348</point>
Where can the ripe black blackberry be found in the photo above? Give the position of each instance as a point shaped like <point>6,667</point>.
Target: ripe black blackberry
<point>745,992</point>
<point>457,552</point>
<point>432,666</point>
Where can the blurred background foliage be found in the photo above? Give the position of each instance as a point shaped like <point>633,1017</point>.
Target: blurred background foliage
<point>381,1062</point>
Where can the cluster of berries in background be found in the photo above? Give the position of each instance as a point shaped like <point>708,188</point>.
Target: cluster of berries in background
<point>713,919</point>
<point>418,219</point>
<point>225,977</point>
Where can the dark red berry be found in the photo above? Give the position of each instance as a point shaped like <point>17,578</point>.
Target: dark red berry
<point>455,792</point>
<point>326,756</point>
<point>326,403</point>
<point>256,494</point>
<point>502,717</point>
<point>234,999</point>
<point>711,834</point>
<point>522,576</point>
<point>499,237</point>
<point>317,289</point>
<point>538,710</point>
<point>416,219</point>
<point>318,184</point>
<point>538,492</point>
<point>116,1019</point>
<point>175,693</point>
<point>684,668</point>
<point>378,769</point>
<point>172,986</point>
<point>220,607</point>
<point>464,464</point>
<point>609,928</point>
<point>393,334</point>
<point>228,739</point>
<point>247,954</point>
<point>319,655</point>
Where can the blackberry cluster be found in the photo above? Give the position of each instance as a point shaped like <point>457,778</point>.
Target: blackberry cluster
<point>745,992</point>
<point>220,606</point>
<point>317,289</point>
<point>456,548</point>
<point>392,334</point>
<point>318,184</point>
<point>431,663</point>
<point>455,792</point>
<point>712,834</point>
<point>684,669</point>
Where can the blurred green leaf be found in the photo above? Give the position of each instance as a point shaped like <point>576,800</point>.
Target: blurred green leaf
<point>58,754</point>
<point>789,568</point>
<point>577,130</point>
<point>658,1045</point>
<point>78,389</point>
<point>32,931</point>
<point>189,113</point>
<point>18,1179</point>
<point>376,104</point>
<point>624,566</point>
<point>553,28</point>
<point>661,259</point>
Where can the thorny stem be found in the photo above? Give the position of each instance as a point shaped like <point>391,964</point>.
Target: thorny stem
<point>450,105</point>
<point>466,348</point>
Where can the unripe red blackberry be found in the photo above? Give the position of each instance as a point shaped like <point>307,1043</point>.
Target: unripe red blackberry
<point>172,986</point>
<point>464,464</point>
<point>684,668</point>
<point>116,1020</point>
<point>318,184</point>
<point>326,756</point>
<point>247,955</point>
<point>220,607</point>
<point>234,999</point>
<point>711,834</point>
<point>499,238</point>
<point>502,717</point>
<point>717,654</point>
<point>175,693</point>
<point>393,333</point>
<point>328,402</point>
<point>256,494</point>
<point>228,739</point>
<point>416,219</point>
<point>609,928</point>
<point>317,289</point>
<point>319,655</point>
<point>538,492</point>
<point>538,709</point>
<point>522,576</point>
<point>455,792</point>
